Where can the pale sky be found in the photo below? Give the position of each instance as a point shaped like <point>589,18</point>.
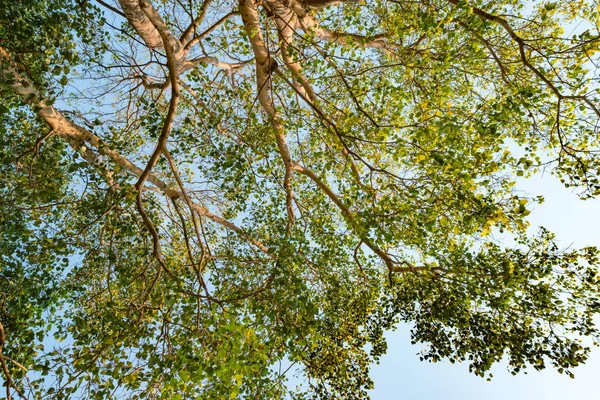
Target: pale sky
<point>401,375</point>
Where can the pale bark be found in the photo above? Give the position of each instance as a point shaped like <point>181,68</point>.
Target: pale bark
<point>167,38</point>
<point>309,24</point>
<point>286,21</point>
<point>196,39</point>
<point>250,18</point>
<point>189,33</point>
<point>141,23</point>
<point>265,65</point>
<point>289,16</point>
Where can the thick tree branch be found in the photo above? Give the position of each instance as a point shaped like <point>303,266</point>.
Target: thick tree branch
<point>250,18</point>
<point>193,63</point>
<point>140,22</point>
<point>309,24</point>
<point>188,65</point>
<point>286,20</point>
<point>162,28</point>
<point>265,65</point>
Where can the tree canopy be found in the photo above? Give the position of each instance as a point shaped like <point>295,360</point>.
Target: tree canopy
<point>200,199</point>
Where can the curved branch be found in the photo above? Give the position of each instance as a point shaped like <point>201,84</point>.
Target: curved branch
<point>190,31</point>
<point>228,67</point>
<point>9,382</point>
<point>349,216</point>
<point>161,27</point>
<point>160,146</point>
<point>310,24</point>
<point>204,34</point>
<point>265,65</point>
<point>286,20</point>
<point>250,18</point>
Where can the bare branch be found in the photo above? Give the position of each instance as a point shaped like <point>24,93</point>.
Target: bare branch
<point>207,32</point>
<point>111,8</point>
<point>191,30</point>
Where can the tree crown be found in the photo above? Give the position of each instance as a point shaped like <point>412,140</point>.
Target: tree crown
<point>194,192</point>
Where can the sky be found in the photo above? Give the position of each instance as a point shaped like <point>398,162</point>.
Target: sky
<point>400,374</point>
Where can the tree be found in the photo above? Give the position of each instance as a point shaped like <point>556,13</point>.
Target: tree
<point>195,193</point>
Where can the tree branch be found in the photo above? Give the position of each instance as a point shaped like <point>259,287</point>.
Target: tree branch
<point>140,22</point>
<point>207,32</point>
<point>160,146</point>
<point>191,30</point>
<point>26,90</point>
<point>310,24</point>
<point>9,382</point>
<point>348,215</point>
<point>265,65</point>
<point>286,20</point>
<point>111,8</point>
<point>159,24</point>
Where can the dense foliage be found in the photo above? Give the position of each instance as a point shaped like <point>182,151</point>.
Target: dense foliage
<point>201,198</point>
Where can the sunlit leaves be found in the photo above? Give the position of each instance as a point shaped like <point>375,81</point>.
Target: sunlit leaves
<point>425,115</point>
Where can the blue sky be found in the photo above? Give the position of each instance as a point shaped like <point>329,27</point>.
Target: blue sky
<point>401,375</point>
